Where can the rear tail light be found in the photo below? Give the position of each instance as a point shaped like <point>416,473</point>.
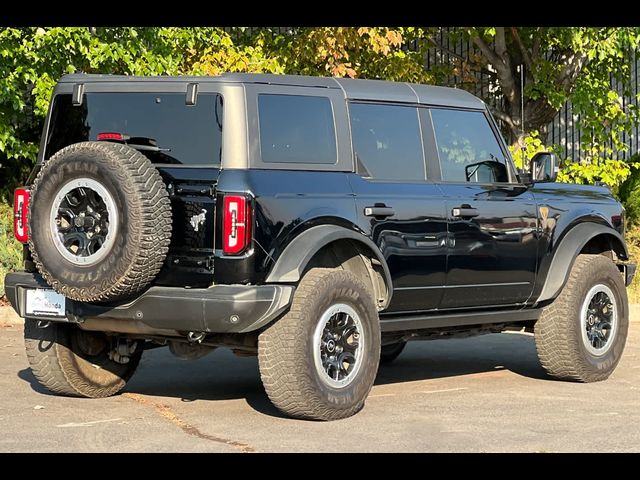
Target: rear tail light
<point>236,224</point>
<point>20,209</point>
<point>112,136</point>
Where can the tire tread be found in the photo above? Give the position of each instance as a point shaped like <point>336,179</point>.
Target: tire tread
<point>150,219</point>
<point>556,336</point>
<point>289,387</point>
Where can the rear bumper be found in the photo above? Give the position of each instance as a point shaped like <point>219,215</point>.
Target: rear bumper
<point>218,309</point>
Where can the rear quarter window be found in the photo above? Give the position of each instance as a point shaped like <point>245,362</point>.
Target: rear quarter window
<point>296,129</point>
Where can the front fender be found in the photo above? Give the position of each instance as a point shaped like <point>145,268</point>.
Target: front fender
<point>567,251</point>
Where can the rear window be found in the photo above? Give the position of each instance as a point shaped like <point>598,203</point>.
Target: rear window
<point>296,129</point>
<point>183,134</point>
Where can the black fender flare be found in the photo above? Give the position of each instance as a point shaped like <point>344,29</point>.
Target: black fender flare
<point>567,251</point>
<point>297,254</point>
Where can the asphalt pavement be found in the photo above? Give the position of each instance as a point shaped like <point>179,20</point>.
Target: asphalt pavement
<point>481,394</point>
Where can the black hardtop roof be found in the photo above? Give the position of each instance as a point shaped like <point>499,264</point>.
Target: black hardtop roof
<point>354,89</point>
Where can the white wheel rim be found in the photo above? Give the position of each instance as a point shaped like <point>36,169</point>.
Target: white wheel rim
<point>338,358</point>
<point>60,238</point>
<point>599,320</point>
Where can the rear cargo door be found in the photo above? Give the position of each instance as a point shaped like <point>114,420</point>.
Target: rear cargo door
<point>182,135</point>
<point>190,258</point>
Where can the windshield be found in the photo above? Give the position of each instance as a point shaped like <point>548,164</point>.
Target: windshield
<point>179,133</point>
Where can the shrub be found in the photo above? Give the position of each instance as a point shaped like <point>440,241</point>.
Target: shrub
<point>10,248</point>
<point>632,238</point>
<point>629,194</point>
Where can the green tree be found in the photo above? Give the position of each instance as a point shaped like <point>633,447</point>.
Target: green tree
<point>32,59</point>
<point>573,64</point>
<point>354,52</point>
<point>560,64</point>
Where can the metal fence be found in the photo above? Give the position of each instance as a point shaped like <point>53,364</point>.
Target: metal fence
<point>563,131</point>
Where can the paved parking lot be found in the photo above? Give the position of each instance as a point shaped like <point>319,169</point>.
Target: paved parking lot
<point>478,394</point>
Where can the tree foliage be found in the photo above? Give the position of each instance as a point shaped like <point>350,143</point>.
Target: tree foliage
<point>629,193</point>
<point>560,64</point>
<point>529,145</point>
<point>574,64</point>
<point>33,59</point>
<point>10,249</point>
<point>354,52</point>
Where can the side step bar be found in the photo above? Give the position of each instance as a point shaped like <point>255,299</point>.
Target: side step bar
<point>393,323</point>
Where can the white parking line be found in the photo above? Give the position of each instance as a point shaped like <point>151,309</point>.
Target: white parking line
<point>87,424</point>
<point>445,390</point>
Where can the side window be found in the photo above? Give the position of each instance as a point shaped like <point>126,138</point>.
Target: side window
<point>296,129</point>
<point>468,148</point>
<point>386,142</point>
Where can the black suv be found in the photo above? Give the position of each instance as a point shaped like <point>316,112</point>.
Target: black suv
<point>319,223</point>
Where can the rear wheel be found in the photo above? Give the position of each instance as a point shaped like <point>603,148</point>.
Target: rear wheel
<point>582,334</point>
<point>73,362</point>
<point>319,361</point>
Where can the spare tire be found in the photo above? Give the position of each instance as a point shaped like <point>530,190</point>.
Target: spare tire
<point>100,221</point>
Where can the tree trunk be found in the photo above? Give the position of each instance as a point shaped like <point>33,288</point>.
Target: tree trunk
<point>538,115</point>
<point>505,57</point>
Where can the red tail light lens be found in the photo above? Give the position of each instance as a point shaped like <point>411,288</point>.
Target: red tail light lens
<point>20,209</point>
<point>112,136</point>
<point>236,224</point>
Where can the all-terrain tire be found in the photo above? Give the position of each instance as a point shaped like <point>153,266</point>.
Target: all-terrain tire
<point>143,226</point>
<point>72,362</point>
<point>388,353</point>
<point>558,333</point>
<point>286,349</point>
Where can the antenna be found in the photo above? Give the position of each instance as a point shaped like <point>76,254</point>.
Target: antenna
<point>521,69</point>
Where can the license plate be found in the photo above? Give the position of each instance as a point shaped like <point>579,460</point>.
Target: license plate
<point>43,302</point>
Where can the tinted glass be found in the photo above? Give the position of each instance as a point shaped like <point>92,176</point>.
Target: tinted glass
<point>183,134</point>
<point>386,141</point>
<point>296,129</point>
<point>465,140</point>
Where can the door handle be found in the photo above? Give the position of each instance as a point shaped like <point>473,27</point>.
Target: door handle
<point>465,211</point>
<point>379,211</point>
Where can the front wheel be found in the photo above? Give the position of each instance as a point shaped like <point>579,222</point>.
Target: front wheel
<point>319,361</point>
<point>77,363</point>
<point>582,334</point>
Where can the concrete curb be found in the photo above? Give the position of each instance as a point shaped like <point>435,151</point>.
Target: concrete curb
<point>9,318</point>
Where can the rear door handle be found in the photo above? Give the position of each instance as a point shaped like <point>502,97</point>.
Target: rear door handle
<point>379,211</point>
<point>465,212</point>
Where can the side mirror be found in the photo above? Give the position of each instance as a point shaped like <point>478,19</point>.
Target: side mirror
<point>544,167</point>
<point>487,171</point>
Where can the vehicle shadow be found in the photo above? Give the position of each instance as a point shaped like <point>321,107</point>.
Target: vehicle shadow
<point>223,376</point>
<point>464,356</point>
